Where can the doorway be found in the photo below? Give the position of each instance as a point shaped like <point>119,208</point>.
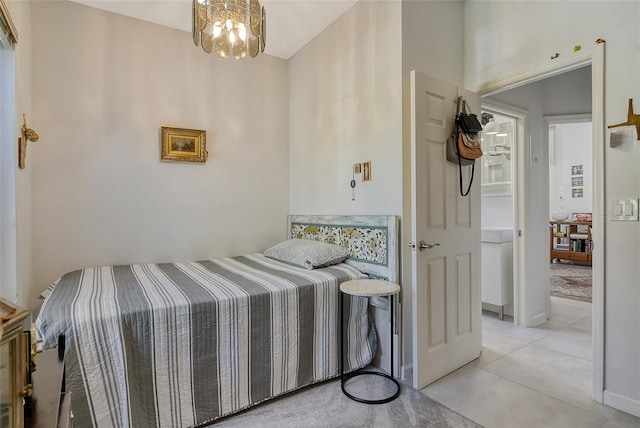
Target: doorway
<point>531,218</point>
<point>570,206</point>
<point>566,93</point>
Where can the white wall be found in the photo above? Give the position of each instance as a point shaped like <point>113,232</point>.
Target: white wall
<point>567,92</point>
<point>571,146</point>
<point>104,84</point>
<point>505,38</point>
<point>345,107</point>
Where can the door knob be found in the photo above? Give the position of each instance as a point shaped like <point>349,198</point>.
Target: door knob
<point>424,246</point>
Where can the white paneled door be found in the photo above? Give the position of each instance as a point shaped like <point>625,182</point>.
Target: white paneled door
<point>447,314</point>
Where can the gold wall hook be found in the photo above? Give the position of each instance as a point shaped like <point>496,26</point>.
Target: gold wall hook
<point>28,134</point>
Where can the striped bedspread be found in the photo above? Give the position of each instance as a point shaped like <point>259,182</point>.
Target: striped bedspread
<point>182,344</point>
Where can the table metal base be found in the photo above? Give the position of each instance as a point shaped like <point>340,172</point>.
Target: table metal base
<point>346,377</point>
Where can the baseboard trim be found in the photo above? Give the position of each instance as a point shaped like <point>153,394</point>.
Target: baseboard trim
<point>407,374</point>
<point>508,309</point>
<point>620,402</point>
<point>539,319</point>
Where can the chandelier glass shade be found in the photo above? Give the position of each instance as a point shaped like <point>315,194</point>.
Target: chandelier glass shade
<point>229,27</point>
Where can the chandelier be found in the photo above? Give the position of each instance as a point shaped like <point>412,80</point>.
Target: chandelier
<point>230,27</point>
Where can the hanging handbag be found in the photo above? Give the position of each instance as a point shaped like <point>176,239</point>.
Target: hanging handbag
<point>467,122</point>
<point>452,151</point>
<point>465,143</point>
<point>453,155</point>
<point>469,145</point>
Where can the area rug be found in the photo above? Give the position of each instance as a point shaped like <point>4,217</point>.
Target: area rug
<point>324,405</point>
<point>570,281</point>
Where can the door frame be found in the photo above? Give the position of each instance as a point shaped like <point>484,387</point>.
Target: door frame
<point>520,168</point>
<point>595,58</point>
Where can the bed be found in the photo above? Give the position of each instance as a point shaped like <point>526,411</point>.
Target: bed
<point>184,344</point>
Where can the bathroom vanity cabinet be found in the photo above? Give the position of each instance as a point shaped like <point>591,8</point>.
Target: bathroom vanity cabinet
<point>497,268</point>
<point>570,240</point>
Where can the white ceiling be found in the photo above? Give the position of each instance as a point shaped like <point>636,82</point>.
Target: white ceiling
<point>291,24</point>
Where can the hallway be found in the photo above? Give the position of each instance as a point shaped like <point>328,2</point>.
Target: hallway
<point>531,377</point>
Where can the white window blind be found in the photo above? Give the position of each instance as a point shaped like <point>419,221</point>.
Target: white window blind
<point>8,144</point>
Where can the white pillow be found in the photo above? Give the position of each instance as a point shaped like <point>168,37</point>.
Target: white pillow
<point>307,254</point>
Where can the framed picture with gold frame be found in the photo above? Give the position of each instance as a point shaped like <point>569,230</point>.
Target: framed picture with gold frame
<point>183,145</point>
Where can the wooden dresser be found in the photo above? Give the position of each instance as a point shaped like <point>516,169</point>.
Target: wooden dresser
<point>13,365</point>
<point>49,405</point>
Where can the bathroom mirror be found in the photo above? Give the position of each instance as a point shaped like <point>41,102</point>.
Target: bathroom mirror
<point>498,136</point>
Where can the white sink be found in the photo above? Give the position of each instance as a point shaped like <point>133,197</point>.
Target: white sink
<point>496,235</point>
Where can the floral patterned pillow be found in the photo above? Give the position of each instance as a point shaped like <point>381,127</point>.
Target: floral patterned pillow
<point>307,254</point>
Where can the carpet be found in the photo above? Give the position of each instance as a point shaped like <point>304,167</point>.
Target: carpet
<point>570,281</point>
<point>324,405</point>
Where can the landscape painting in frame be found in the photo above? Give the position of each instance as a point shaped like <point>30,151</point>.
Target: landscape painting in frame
<point>183,145</point>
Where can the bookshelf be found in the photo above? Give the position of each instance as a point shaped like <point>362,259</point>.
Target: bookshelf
<point>570,240</point>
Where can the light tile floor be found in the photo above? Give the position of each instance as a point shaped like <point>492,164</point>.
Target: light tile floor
<point>531,377</point>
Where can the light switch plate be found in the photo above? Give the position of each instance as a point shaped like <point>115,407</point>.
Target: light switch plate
<point>366,171</point>
<point>624,210</point>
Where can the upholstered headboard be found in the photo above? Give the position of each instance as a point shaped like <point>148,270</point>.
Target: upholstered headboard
<point>372,240</point>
